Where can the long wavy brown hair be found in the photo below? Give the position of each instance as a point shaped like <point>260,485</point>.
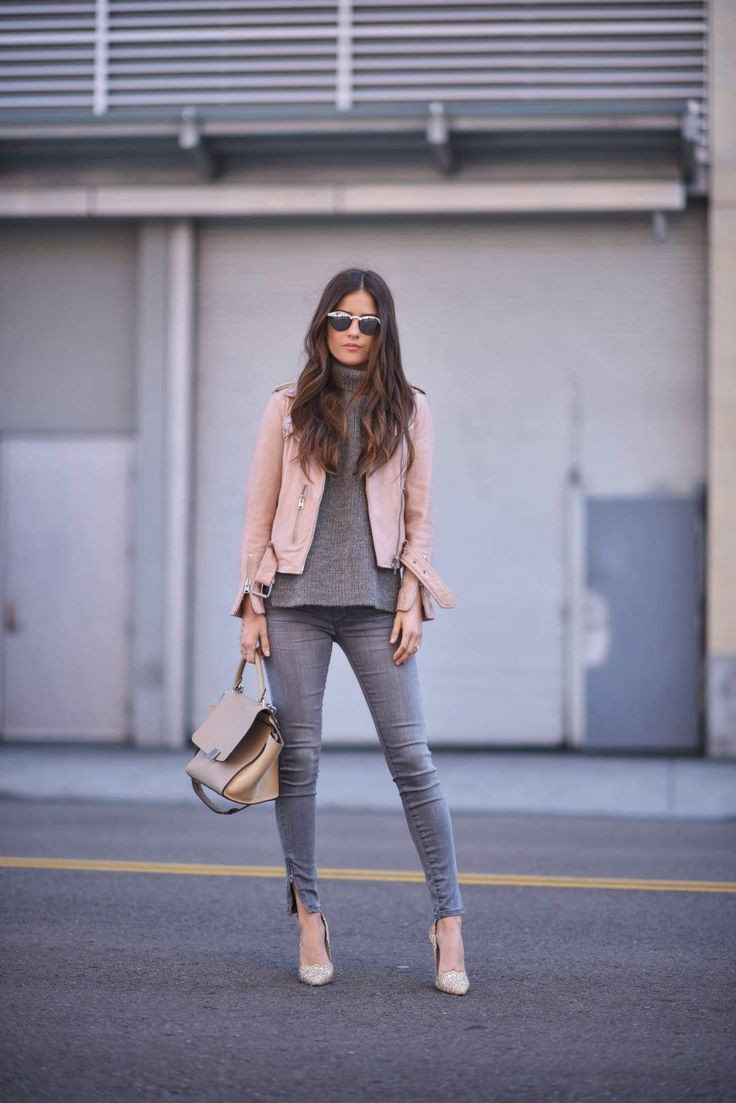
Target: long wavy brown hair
<point>319,411</point>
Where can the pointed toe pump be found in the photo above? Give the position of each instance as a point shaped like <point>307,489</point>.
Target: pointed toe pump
<point>318,974</point>
<point>454,981</point>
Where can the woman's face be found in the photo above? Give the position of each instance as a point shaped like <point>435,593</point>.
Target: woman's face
<point>352,347</point>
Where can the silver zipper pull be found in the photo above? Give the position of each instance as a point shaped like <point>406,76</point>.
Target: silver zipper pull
<point>249,562</point>
<point>299,505</point>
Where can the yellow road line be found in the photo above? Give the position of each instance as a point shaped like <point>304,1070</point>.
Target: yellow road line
<point>103,865</point>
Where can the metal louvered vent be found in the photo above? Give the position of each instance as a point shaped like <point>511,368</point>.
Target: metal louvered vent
<point>546,51</point>
<point>47,56</point>
<point>222,54</point>
<point>117,57</point>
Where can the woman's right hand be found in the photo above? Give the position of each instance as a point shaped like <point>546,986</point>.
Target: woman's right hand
<point>253,631</point>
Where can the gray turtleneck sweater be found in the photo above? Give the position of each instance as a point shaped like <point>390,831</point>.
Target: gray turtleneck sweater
<point>341,567</point>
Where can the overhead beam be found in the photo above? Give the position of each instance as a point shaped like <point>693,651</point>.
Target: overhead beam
<point>446,197</point>
<point>31,129</point>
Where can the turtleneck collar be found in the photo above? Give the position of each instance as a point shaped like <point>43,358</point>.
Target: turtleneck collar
<point>345,377</point>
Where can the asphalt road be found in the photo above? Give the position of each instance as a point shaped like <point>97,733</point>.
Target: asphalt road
<point>182,986</point>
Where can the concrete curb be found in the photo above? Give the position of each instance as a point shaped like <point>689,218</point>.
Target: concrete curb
<point>533,782</point>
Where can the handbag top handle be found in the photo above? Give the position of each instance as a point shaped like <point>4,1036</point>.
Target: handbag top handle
<point>238,683</point>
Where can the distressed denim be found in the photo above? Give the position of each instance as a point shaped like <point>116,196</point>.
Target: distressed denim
<point>301,640</point>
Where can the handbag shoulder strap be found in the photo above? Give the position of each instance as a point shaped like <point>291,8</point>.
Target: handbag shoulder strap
<point>203,797</point>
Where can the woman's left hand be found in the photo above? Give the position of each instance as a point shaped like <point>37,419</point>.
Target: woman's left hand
<point>409,624</point>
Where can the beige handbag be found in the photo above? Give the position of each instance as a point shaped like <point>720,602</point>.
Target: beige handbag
<point>238,747</point>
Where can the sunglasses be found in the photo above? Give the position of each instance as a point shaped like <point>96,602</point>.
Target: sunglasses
<point>367,323</point>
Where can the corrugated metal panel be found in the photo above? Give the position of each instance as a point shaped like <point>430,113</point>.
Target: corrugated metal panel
<point>47,55</point>
<point>67,327</point>
<point>542,344</point>
<point>541,51</point>
<point>122,55</point>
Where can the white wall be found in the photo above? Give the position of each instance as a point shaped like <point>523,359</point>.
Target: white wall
<point>502,322</point>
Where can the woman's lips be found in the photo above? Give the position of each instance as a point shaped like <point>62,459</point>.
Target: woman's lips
<point>353,347</point>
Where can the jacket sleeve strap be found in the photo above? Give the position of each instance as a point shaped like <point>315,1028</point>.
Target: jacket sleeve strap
<point>425,574</point>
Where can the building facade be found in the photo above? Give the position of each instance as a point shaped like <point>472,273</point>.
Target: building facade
<point>552,202</point>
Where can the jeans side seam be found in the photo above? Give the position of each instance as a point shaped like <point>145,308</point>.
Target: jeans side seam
<point>430,862</point>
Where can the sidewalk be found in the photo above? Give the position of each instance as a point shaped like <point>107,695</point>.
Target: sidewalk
<point>568,783</point>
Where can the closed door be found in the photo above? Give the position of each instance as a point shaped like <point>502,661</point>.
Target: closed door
<point>645,579</point>
<point>66,550</point>
<point>545,346</point>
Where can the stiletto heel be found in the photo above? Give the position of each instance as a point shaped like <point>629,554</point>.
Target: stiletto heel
<point>318,974</point>
<point>454,981</point>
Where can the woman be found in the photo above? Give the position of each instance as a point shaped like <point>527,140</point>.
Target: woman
<point>338,497</point>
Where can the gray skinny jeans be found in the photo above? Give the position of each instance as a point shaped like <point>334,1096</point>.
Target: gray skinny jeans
<point>301,641</point>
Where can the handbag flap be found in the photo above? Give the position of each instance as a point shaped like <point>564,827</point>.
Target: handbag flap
<point>231,718</point>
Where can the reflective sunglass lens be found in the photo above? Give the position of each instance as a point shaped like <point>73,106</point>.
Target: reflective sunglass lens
<point>368,323</point>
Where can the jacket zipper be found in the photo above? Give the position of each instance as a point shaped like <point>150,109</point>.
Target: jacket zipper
<point>248,579</point>
<point>299,508</point>
<point>396,563</point>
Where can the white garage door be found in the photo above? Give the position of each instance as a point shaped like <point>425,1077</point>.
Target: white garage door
<point>542,344</point>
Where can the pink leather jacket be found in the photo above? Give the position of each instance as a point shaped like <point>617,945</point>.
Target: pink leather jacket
<point>281,505</point>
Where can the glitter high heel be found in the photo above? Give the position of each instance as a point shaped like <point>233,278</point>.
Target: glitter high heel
<point>318,974</point>
<point>454,981</point>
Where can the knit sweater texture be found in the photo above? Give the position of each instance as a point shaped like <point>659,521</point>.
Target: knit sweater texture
<point>340,567</point>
